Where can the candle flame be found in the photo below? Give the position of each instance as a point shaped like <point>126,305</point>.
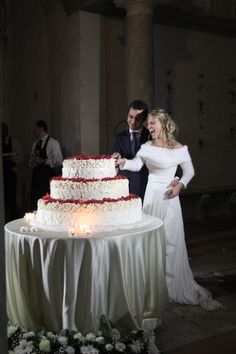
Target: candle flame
<point>80,230</point>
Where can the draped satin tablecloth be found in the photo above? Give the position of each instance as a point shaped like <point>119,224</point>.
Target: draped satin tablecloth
<point>59,282</point>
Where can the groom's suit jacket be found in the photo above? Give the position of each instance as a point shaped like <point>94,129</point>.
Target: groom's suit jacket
<point>122,144</point>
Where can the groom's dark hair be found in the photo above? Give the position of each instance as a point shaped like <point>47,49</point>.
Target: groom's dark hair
<point>139,104</point>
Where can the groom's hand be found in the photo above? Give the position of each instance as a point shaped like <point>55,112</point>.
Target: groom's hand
<point>174,182</point>
<point>117,157</point>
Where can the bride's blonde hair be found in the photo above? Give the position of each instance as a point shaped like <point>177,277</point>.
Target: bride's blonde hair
<point>168,125</point>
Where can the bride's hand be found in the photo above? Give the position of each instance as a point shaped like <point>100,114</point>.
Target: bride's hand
<point>116,155</point>
<point>120,162</point>
<point>174,191</point>
<point>118,159</point>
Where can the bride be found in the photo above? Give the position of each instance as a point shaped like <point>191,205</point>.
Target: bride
<point>162,155</point>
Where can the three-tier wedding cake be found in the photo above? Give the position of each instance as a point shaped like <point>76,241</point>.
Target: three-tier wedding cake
<point>88,192</point>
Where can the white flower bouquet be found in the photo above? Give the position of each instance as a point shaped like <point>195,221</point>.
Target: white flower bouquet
<point>22,341</point>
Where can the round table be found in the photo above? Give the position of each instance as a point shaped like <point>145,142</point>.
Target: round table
<point>60,282</point>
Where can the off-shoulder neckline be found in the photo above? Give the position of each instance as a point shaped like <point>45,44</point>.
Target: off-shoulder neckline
<point>165,148</point>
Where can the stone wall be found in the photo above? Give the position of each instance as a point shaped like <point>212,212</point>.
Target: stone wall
<point>70,71</point>
<point>195,78</point>
<point>52,74</point>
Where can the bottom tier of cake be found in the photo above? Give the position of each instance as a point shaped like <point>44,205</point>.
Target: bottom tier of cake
<point>68,214</point>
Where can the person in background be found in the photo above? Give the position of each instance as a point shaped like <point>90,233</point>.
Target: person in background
<point>11,155</point>
<point>162,154</point>
<point>46,157</point>
<point>128,142</point>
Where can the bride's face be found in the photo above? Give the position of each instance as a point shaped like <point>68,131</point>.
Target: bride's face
<point>155,127</point>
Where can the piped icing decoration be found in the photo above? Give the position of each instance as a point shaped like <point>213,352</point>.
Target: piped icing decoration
<point>89,157</point>
<point>85,180</point>
<point>47,199</point>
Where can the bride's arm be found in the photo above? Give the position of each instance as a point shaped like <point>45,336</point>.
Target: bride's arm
<point>188,172</point>
<point>133,165</point>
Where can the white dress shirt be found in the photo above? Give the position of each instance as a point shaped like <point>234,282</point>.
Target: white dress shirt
<point>53,151</point>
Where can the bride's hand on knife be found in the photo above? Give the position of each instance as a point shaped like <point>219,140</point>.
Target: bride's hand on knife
<point>118,159</point>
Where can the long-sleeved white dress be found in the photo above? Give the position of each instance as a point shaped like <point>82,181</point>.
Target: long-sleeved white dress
<point>162,164</point>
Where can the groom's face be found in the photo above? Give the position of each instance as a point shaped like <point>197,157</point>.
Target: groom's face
<point>135,119</point>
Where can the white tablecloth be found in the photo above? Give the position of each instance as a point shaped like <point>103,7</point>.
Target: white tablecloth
<point>58,282</point>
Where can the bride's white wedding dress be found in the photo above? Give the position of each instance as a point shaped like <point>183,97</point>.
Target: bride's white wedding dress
<point>162,164</point>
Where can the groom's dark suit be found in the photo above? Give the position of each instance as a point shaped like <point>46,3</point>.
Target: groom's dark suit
<point>122,144</point>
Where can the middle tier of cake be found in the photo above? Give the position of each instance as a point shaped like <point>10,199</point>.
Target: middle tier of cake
<point>87,189</point>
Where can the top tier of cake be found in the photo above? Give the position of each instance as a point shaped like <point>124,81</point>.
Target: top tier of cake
<point>89,166</point>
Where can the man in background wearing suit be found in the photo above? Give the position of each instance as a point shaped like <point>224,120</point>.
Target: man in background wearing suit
<point>129,141</point>
<point>46,157</point>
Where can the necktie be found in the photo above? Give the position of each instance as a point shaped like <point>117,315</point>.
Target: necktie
<point>133,143</point>
<point>38,147</point>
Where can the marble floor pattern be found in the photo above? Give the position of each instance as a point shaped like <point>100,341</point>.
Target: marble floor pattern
<point>190,329</point>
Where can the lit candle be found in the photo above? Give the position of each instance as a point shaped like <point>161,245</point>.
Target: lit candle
<point>71,232</point>
<point>29,217</point>
<point>79,230</point>
<point>84,229</point>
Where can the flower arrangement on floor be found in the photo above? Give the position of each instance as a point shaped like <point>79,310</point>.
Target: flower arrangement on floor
<point>21,341</point>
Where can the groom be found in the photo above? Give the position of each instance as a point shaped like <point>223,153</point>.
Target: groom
<point>129,141</point>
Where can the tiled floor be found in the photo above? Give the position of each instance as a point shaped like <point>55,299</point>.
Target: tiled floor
<point>221,344</point>
<point>190,329</point>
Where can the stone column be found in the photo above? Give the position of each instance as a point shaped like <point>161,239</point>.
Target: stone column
<point>139,49</point>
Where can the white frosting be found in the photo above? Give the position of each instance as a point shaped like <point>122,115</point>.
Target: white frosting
<point>90,168</point>
<point>72,212</point>
<point>100,189</point>
<point>69,215</point>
